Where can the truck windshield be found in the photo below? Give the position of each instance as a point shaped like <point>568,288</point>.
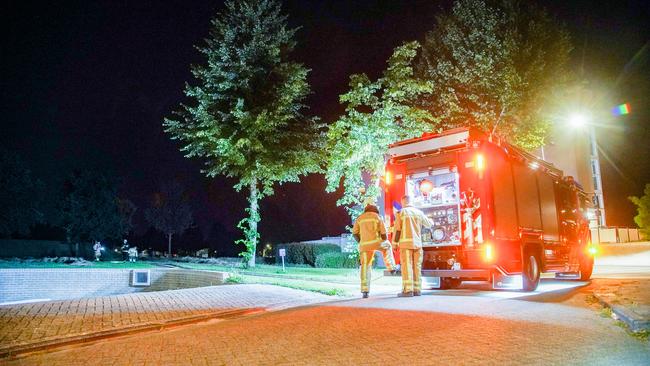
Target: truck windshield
<point>436,194</point>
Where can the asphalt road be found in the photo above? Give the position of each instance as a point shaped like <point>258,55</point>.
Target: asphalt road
<point>559,324</point>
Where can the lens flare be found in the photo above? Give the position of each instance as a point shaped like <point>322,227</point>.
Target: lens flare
<point>621,110</point>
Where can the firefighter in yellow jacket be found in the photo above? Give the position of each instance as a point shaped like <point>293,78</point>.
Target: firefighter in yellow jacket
<point>408,237</point>
<point>370,232</point>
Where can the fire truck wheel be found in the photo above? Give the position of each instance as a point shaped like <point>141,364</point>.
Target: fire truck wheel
<point>531,272</point>
<point>586,267</point>
<point>447,283</point>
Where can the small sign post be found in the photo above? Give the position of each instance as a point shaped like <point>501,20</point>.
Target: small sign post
<point>283,253</point>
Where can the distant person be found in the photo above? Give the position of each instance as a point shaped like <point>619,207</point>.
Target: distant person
<point>133,254</point>
<point>408,236</point>
<point>98,251</point>
<point>125,250</point>
<point>370,232</point>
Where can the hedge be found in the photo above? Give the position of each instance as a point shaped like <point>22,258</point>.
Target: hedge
<point>301,253</point>
<point>23,248</point>
<point>336,260</point>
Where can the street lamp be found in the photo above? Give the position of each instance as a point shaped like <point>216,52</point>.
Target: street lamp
<point>580,120</point>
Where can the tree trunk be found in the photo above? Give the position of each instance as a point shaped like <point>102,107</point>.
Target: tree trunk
<point>254,214</point>
<point>169,245</point>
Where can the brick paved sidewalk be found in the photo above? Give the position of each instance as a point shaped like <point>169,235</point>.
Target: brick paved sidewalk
<point>327,335</point>
<point>25,325</point>
<point>629,300</point>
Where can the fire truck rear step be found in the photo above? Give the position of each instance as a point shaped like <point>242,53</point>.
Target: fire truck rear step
<point>567,275</point>
<point>479,274</point>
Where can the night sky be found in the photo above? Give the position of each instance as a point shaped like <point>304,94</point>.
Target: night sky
<point>86,85</point>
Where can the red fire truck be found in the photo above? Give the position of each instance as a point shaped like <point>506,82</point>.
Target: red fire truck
<point>500,214</point>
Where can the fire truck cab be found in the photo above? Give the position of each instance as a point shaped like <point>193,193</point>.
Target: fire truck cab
<point>499,213</point>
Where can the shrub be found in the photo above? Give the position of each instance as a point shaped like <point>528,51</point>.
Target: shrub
<point>233,278</point>
<point>336,260</point>
<point>302,253</point>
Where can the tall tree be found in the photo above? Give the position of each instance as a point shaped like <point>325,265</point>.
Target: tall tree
<point>170,212</point>
<point>497,65</point>
<point>91,209</point>
<point>642,218</point>
<point>378,113</point>
<point>127,210</point>
<point>20,196</point>
<point>245,115</point>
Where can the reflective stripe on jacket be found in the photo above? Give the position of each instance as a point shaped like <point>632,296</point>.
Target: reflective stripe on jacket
<point>370,227</point>
<point>409,224</point>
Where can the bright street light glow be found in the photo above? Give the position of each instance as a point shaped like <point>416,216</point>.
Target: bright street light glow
<point>577,120</point>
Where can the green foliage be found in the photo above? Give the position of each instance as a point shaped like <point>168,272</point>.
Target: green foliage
<point>245,116</point>
<point>336,260</point>
<point>248,226</point>
<point>378,113</point>
<point>20,196</point>
<point>642,218</point>
<point>234,278</point>
<point>301,253</point>
<point>91,209</point>
<point>496,65</point>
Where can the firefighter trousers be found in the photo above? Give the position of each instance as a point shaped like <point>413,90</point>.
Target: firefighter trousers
<point>411,261</point>
<point>367,257</point>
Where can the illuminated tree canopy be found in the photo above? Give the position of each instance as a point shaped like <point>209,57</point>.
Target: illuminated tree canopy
<point>245,115</point>
<point>496,65</point>
<point>378,113</point>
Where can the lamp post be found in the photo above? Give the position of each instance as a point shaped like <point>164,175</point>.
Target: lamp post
<point>598,183</point>
<point>580,120</point>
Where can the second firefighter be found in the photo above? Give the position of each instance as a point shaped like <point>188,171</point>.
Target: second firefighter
<point>408,236</point>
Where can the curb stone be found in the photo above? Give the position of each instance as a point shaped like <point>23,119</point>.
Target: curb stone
<point>634,321</point>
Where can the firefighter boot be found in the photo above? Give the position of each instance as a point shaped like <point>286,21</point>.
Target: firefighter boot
<point>417,293</point>
<point>405,294</point>
<point>365,294</point>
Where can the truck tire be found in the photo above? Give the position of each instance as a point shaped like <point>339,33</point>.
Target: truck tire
<point>586,267</point>
<point>447,283</point>
<point>530,273</point>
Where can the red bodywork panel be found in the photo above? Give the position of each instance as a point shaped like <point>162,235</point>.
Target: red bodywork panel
<point>507,199</point>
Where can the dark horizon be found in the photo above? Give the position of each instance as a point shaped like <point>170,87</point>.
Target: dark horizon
<point>86,87</point>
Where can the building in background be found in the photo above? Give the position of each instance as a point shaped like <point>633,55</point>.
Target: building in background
<point>574,150</point>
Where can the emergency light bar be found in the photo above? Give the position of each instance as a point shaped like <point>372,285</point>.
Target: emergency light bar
<point>424,145</point>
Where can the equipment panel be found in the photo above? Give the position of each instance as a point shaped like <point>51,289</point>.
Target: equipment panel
<point>436,194</point>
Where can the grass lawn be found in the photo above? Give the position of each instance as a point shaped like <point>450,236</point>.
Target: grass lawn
<point>331,289</point>
<point>328,281</point>
<point>111,265</point>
